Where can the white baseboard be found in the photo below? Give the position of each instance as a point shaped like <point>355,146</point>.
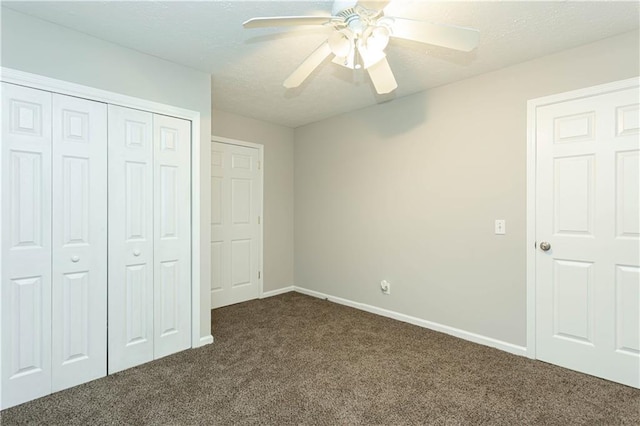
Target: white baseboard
<point>456,332</point>
<point>206,340</point>
<point>277,292</point>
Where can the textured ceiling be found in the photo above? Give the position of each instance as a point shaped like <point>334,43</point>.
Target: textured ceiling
<point>248,66</point>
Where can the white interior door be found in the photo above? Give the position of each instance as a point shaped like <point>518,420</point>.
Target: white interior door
<point>130,221</point>
<point>26,244</point>
<point>172,235</point>
<point>236,196</point>
<point>587,192</point>
<point>79,309</point>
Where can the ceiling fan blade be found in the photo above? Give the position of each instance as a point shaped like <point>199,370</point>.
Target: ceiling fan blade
<point>282,21</point>
<point>306,68</point>
<point>382,77</point>
<point>451,36</point>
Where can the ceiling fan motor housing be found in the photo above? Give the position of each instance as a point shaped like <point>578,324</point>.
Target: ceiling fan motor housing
<point>353,21</point>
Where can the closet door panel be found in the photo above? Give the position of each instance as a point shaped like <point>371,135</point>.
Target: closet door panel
<point>26,244</point>
<point>130,238</point>
<point>79,308</point>
<point>172,236</point>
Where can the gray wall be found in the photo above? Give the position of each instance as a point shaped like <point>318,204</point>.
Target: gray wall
<point>278,190</point>
<point>39,47</point>
<point>408,191</point>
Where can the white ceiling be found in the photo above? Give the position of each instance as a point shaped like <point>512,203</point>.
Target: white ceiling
<point>248,66</point>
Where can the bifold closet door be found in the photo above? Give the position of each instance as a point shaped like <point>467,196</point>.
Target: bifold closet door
<point>79,289</point>
<point>130,237</point>
<point>61,157</point>
<point>26,244</point>
<point>172,235</point>
<point>149,236</point>
<point>54,245</point>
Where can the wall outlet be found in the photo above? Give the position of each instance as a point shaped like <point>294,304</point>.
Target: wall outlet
<point>385,287</point>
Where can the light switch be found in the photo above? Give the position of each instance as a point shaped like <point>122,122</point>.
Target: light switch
<point>500,227</point>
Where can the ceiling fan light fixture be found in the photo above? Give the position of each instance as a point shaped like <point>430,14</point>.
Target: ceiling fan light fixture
<point>369,56</point>
<point>341,43</point>
<point>377,38</point>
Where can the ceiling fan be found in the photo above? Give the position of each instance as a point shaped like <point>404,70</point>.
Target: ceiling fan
<point>361,32</point>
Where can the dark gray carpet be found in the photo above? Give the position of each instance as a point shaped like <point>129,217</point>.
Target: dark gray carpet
<point>293,359</point>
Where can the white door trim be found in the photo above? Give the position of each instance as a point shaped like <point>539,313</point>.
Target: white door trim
<point>35,81</point>
<point>260,149</point>
<point>532,106</point>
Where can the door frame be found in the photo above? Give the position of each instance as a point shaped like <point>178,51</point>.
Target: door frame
<point>260,148</point>
<point>48,84</point>
<point>532,106</point>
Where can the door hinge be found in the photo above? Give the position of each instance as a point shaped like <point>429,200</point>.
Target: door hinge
<point>258,220</point>
<point>258,274</point>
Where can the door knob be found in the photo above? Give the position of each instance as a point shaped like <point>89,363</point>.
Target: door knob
<point>136,252</point>
<point>74,259</point>
<point>545,246</point>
